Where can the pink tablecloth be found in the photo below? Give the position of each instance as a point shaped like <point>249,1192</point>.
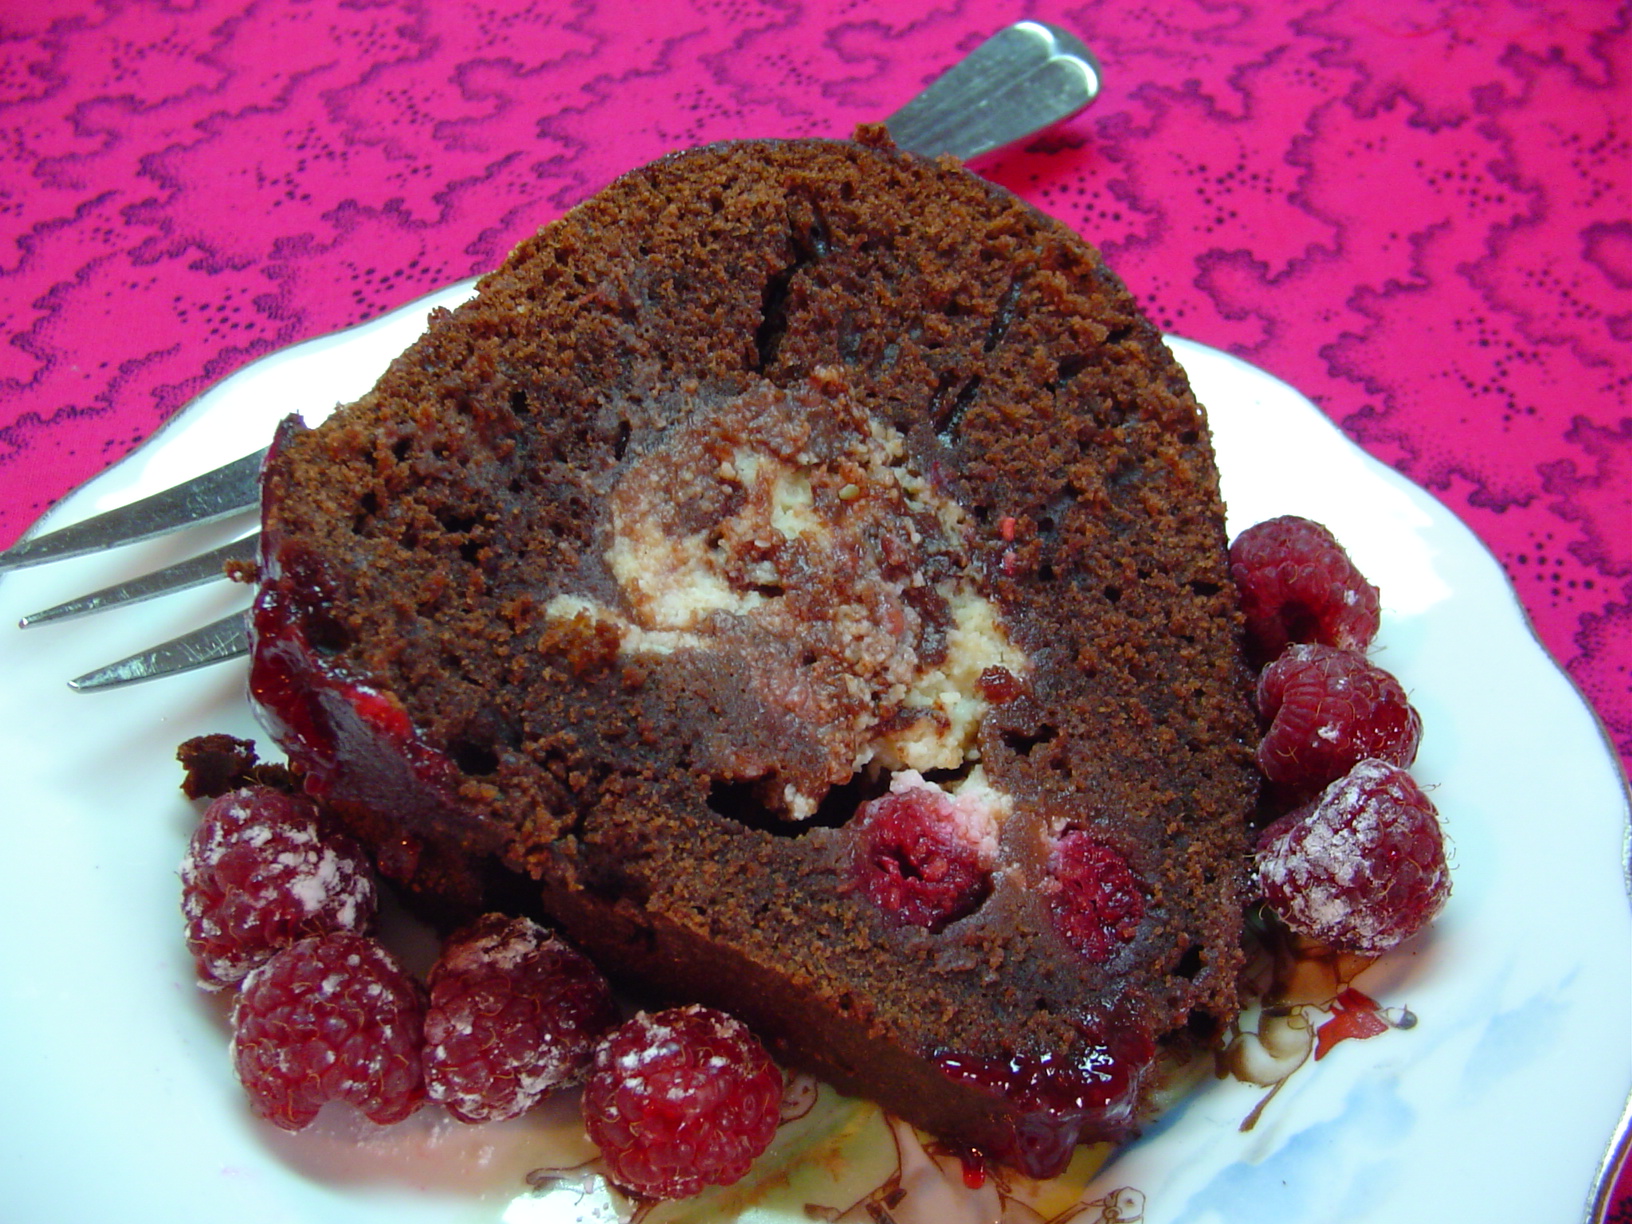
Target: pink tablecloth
<point>1418,213</point>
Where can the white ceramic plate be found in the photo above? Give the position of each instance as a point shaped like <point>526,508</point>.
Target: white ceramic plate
<point>119,1103</point>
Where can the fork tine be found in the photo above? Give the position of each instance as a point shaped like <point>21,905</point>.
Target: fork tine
<point>216,642</point>
<point>226,490</point>
<point>195,571</point>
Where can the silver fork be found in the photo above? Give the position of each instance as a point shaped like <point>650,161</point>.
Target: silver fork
<point>1023,79</point>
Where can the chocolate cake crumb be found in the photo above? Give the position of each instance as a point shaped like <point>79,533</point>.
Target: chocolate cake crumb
<point>216,764</point>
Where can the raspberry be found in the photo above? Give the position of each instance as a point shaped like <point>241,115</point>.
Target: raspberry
<point>1329,710</point>
<point>514,1013</point>
<point>1098,901</point>
<point>329,1018</point>
<point>920,853</point>
<point>1361,868</point>
<point>1060,1102</point>
<point>1298,585</point>
<point>262,871</point>
<point>680,1100</point>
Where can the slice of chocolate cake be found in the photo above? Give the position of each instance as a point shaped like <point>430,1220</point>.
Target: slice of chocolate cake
<point>800,574</point>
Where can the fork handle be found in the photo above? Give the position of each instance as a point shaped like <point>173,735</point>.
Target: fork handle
<point>1021,80</point>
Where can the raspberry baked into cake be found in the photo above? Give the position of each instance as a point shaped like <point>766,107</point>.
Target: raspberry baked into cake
<point>799,576</point>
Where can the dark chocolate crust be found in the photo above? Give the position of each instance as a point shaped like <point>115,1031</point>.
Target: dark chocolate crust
<point>413,658</point>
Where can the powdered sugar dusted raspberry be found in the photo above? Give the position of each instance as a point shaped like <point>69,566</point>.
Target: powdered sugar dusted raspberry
<point>261,871</point>
<point>1329,710</point>
<point>1362,868</point>
<point>514,1014</point>
<point>1097,901</point>
<point>679,1100</point>
<point>329,1018</point>
<point>1296,584</point>
<point>922,855</point>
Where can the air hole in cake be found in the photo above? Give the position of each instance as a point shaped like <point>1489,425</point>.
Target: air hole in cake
<point>401,447</point>
<point>818,238</point>
<point>939,394</point>
<point>326,634</point>
<point>947,426</point>
<point>1024,744</point>
<point>951,780</point>
<point>742,802</point>
<point>473,759</point>
<point>620,443</point>
<point>747,803</point>
<point>1191,963</point>
<point>1003,316</point>
<point>809,238</point>
<point>1113,594</point>
<point>470,552</point>
<point>1202,1024</point>
<point>1205,590</point>
<point>519,403</point>
<point>1069,367</point>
